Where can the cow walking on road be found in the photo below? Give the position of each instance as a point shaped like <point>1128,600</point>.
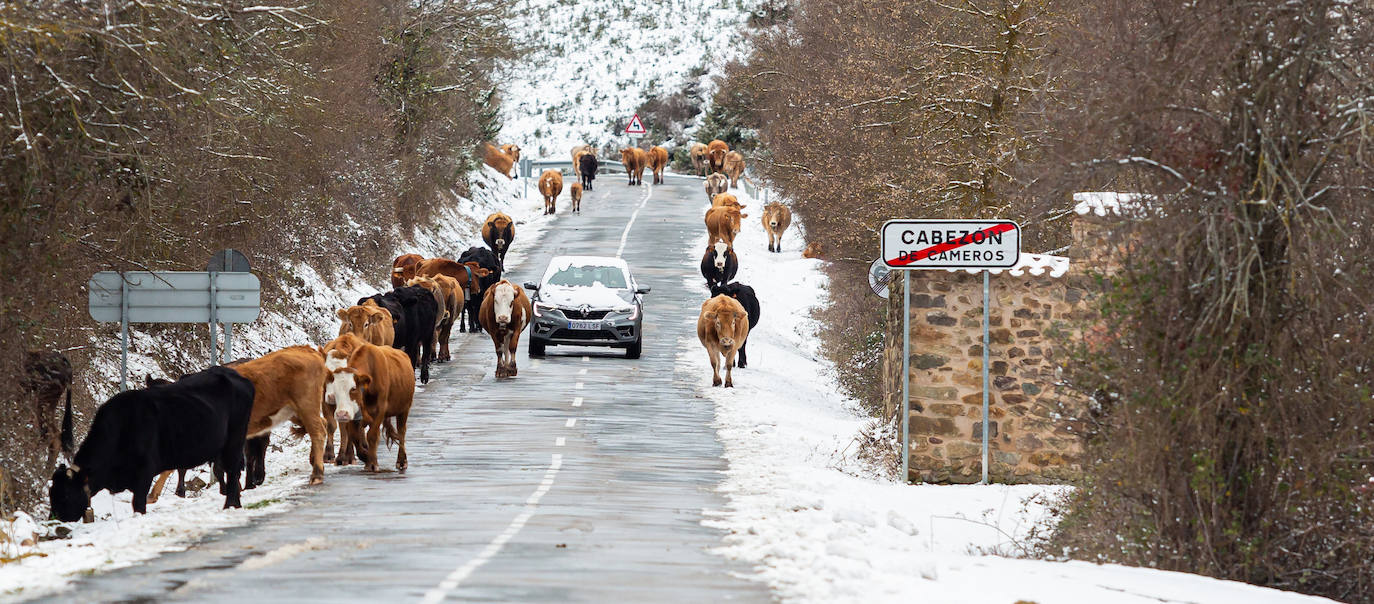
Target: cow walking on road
<point>722,328</point>
<point>505,313</point>
<point>550,185</point>
<point>776,218</point>
<point>498,231</point>
<point>719,264</point>
<point>586,166</point>
<point>484,259</point>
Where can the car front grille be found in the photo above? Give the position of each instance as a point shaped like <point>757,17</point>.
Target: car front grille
<point>579,334</point>
<point>578,315</point>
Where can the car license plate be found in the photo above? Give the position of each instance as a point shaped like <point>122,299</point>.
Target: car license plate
<point>584,325</point>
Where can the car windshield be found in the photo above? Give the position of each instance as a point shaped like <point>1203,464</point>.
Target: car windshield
<point>589,276</point>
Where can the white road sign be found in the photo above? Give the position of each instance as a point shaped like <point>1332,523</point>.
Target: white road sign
<point>923,244</point>
<point>636,126</point>
<point>174,297</point>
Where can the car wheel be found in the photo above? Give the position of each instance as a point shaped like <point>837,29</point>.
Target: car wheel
<point>632,351</point>
<point>536,348</point>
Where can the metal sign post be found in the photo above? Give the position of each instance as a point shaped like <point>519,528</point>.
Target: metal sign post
<point>171,297</point>
<point>947,244</point>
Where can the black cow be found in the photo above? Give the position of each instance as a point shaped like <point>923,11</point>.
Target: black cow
<point>719,264</point>
<point>416,313</point>
<point>745,295</point>
<point>587,167</point>
<point>138,434</point>
<point>487,260</point>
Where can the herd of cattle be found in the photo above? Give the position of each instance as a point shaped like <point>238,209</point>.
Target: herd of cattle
<point>362,383</point>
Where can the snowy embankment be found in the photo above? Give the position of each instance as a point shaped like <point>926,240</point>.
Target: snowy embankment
<point>120,538</point>
<point>819,527</point>
<point>594,61</point>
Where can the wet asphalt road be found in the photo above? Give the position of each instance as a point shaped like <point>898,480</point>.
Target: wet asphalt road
<point>582,480</point>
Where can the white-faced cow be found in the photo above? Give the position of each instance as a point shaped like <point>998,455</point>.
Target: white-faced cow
<point>719,264</point>
<point>505,313</point>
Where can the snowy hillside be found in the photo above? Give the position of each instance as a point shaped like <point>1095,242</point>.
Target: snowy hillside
<point>594,61</point>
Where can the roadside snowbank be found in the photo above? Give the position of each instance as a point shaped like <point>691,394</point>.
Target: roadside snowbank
<point>119,538</point>
<point>819,528</point>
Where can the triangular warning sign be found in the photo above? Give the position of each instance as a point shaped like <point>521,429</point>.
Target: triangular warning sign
<point>636,126</point>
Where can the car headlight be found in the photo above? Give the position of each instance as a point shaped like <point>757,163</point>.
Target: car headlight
<point>631,312</point>
<point>540,308</point>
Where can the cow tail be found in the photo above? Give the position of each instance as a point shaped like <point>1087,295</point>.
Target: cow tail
<point>68,431</point>
<point>389,425</point>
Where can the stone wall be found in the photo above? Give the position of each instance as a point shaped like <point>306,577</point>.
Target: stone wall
<point>1032,435</point>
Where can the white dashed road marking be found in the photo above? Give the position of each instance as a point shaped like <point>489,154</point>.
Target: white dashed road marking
<point>560,441</point>
<point>577,386</point>
<point>456,578</point>
<point>577,402</point>
<point>571,422</point>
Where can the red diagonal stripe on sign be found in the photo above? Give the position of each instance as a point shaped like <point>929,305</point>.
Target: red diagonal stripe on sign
<point>945,247</point>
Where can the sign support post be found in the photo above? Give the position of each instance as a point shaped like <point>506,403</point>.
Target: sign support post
<point>951,245</point>
<point>214,337</point>
<point>906,376</point>
<point>987,422</point>
<point>123,334</point>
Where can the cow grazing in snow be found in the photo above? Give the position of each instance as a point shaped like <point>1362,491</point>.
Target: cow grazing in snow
<point>658,161</point>
<point>505,313</point>
<point>722,327</point>
<point>139,433</point>
<point>745,296</point>
<point>776,217</point>
<point>716,184</point>
<point>719,264</point>
<point>550,185</point>
<point>502,159</point>
<point>498,231</point>
<point>697,153</point>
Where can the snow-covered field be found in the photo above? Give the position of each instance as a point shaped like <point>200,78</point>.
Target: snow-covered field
<point>119,538</point>
<point>595,61</point>
<point>819,527</point>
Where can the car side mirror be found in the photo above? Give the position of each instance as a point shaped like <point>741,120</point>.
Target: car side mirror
<point>643,290</point>
<point>530,285</point>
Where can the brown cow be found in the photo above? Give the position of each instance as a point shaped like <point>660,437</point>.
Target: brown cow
<point>734,167</point>
<point>577,152</point>
<point>634,159</point>
<point>371,323</point>
<point>403,268</point>
<point>722,223</point>
<point>722,327</point>
<point>498,231</point>
<point>699,162</point>
<point>47,375</point>
<point>499,159</point>
<point>289,383</point>
<point>512,151</point>
<point>466,274</point>
<point>658,160</point>
<point>575,194</point>
<point>715,154</point>
<point>776,217</point>
<point>550,185</point>
<point>454,299</point>
<point>375,384</point>
<point>336,354</point>
<point>813,250</point>
<point>716,184</point>
<point>726,199</point>
<point>505,313</point>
